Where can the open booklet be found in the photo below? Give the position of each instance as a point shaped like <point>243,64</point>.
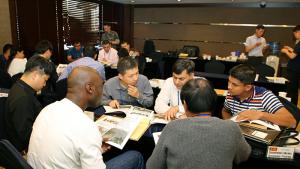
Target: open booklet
<point>117,130</point>
<point>146,116</point>
<point>260,122</point>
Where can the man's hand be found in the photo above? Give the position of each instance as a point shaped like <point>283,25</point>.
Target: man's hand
<point>171,113</point>
<point>248,115</point>
<point>105,147</point>
<point>114,104</point>
<point>133,91</point>
<point>258,44</point>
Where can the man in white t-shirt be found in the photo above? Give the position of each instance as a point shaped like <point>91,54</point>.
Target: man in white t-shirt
<point>168,100</point>
<point>108,54</point>
<point>64,137</point>
<point>256,44</point>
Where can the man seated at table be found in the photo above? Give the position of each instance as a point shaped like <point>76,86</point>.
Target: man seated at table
<point>129,87</point>
<point>200,141</point>
<point>64,137</point>
<point>22,106</point>
<point>87,60</point>
<point>168,100</point>
<point>250,102</point>
<point>75,53</point>
<point>108,54</point>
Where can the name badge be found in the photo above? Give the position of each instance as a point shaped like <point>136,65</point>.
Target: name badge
<point>280,153</point>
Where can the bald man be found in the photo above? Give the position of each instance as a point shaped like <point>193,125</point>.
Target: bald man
<point>64,137</point>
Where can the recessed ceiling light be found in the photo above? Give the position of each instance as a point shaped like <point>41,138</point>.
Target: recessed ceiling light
<point>178,0</point>
<point>132,1</point>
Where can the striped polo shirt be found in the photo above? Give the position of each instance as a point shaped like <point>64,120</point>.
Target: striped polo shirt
<point>260,100</point>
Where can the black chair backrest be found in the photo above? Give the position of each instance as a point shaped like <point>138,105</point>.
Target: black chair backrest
<point>5,80</point>
<point>264,70</point>
<point>214,66</point>
<point>192,51</point>
<point>149,47</point>
<point>10,158</point>
<point>2,121</point>
<point>61,88</point>
<point>292,108</point>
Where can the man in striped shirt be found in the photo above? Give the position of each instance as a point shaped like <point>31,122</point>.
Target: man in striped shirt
<point>251,102</point>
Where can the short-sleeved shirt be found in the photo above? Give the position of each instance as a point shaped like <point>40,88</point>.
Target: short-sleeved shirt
<point>75,54</point>
<point>110,36</point>
<point>260,100</point>
<point>293,64</point>
<point>252,40</point>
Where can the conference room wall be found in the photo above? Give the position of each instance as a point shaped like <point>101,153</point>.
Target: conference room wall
<point>178,26</point>
<point>5,31</point>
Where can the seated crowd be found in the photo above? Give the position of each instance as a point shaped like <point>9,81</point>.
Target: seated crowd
<point>55,133</point>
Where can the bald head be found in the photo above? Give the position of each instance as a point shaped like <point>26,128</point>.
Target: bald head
<point>85,87</point>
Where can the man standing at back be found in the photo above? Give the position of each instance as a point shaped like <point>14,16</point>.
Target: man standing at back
<point>64,137</point>
<point>22,106</point>
<point>111,36</point>
<point>255,45</point>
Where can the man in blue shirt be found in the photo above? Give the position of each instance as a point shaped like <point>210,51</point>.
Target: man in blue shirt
<point>75,53</point>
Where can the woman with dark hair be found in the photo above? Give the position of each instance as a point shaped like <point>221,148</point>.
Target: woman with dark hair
<point>17,61</point>
<point>199,141</point>
<point>293,69</point>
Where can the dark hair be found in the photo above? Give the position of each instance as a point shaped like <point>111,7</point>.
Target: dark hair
<point>43,46</point>
<point>183,64</point>
<point>123,53</point>
<point>260,27</point>
<point>105,42</point>
<point>126,63</point>
<point>6,47</point>
<point>296,28</point>
<point>89,51</point>
<point>244,73</point>
<point>76,42</point>
<point>199,96</point>
<point>38,63</point>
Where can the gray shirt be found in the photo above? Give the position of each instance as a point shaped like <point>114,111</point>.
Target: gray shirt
<point>209,143</point>
<point>113,90</point>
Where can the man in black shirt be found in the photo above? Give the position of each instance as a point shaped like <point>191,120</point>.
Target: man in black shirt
<point>48,95</point>
<point>22,106</point>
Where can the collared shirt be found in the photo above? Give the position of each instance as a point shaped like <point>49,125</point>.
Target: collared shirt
<point>252,40</point>
<point>86,61</point>
<point>75,54</point>
<point>21,109</point>
<point>64,137</point>
<point>260,100</point>
<point>113,90</point>
<point>111,56</point>
<point>110,36</point>
<point>168,97</point>
<point>17,66</point>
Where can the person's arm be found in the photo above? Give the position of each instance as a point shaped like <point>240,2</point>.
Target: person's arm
<point>24,114</point>
<point>89,147</point>
<point>158,159</point>
<point>106,96</point>
<point>117,40</point>
<point>226,114</point>
<point>274,112</point>
<point>163,99</point>
<point>101,55</point>
<point>146,95</point>
<point>243,149</point>
<point>115,57</point>
<point>289,52</point>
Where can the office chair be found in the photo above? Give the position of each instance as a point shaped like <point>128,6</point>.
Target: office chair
<point>214,66</point>
<point>2,121</point>
<point>264,70</point>
<point>292,108</point>
<point>192,51</point>
<point>61,88</point>
<point>10,158</point>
